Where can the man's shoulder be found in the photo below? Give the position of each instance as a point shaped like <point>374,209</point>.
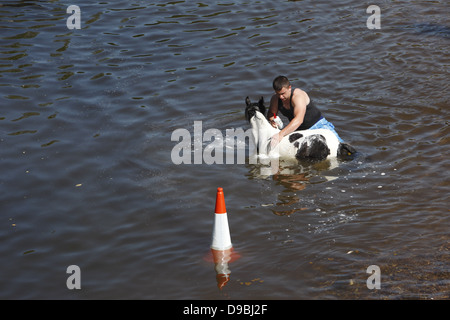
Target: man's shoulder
<point>300,96</point>
<point>298,91</point>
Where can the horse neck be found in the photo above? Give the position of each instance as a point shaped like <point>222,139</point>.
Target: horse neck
<point>267,131</point>
<point>263,131</point>
<point>265,128</point>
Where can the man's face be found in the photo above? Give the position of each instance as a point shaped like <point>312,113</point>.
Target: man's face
<point>284,93</point>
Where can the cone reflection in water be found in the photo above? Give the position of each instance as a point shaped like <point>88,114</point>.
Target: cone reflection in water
<point>221,259</point>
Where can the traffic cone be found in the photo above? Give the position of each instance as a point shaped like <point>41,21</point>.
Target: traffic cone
<point>221,239</point>
<point>221,247</point>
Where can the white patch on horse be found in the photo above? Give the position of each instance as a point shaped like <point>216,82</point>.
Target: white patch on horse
<point>316,144</point>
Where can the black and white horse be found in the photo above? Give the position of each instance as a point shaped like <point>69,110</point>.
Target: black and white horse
<point>305,145</point>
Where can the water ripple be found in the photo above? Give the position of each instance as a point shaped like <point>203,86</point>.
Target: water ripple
<point>85,136</point>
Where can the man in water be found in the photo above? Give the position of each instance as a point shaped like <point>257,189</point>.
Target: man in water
<point>296,105</point>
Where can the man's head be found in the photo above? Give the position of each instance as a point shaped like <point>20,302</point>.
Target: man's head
<point>282,87</point>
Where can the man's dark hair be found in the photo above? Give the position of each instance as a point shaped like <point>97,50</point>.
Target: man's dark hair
<point>280,82</point>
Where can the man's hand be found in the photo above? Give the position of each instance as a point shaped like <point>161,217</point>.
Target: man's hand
<point>275,140</point>
<point>273,123</point>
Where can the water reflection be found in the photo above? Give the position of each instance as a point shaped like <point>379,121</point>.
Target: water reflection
<point>433,29</point>
<point>221,260</point>
<point>293,176</point>
<point>21,3</point>
<point>73,111</point>
<point>288,200</point>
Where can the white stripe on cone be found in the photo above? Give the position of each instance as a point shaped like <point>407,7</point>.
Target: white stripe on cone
<point>221,239</point>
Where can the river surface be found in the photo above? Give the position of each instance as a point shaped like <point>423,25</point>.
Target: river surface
<point>88,178</point>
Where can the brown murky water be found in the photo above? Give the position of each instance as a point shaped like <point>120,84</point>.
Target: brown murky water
<point>87,177</point>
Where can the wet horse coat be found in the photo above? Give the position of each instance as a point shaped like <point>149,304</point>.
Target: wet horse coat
<point>310,145</point>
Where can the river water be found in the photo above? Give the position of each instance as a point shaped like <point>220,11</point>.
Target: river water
<point>88,178</point>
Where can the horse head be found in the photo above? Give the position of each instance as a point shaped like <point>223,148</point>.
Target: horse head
<point>262,130</point>
<point>253,107</point>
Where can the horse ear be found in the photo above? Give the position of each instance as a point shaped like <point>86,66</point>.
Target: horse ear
<point>247,101</point>
<point>261,105</point>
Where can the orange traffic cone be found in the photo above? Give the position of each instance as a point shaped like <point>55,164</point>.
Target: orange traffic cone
<point>221,239</point>
<point>221,247</point>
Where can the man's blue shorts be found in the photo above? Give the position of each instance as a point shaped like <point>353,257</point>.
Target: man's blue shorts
<point>325,124</point>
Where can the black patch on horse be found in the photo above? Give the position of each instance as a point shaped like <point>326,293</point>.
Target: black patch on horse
<point>313,148</point>
<point>295,136</point>
<point>345,151</point>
